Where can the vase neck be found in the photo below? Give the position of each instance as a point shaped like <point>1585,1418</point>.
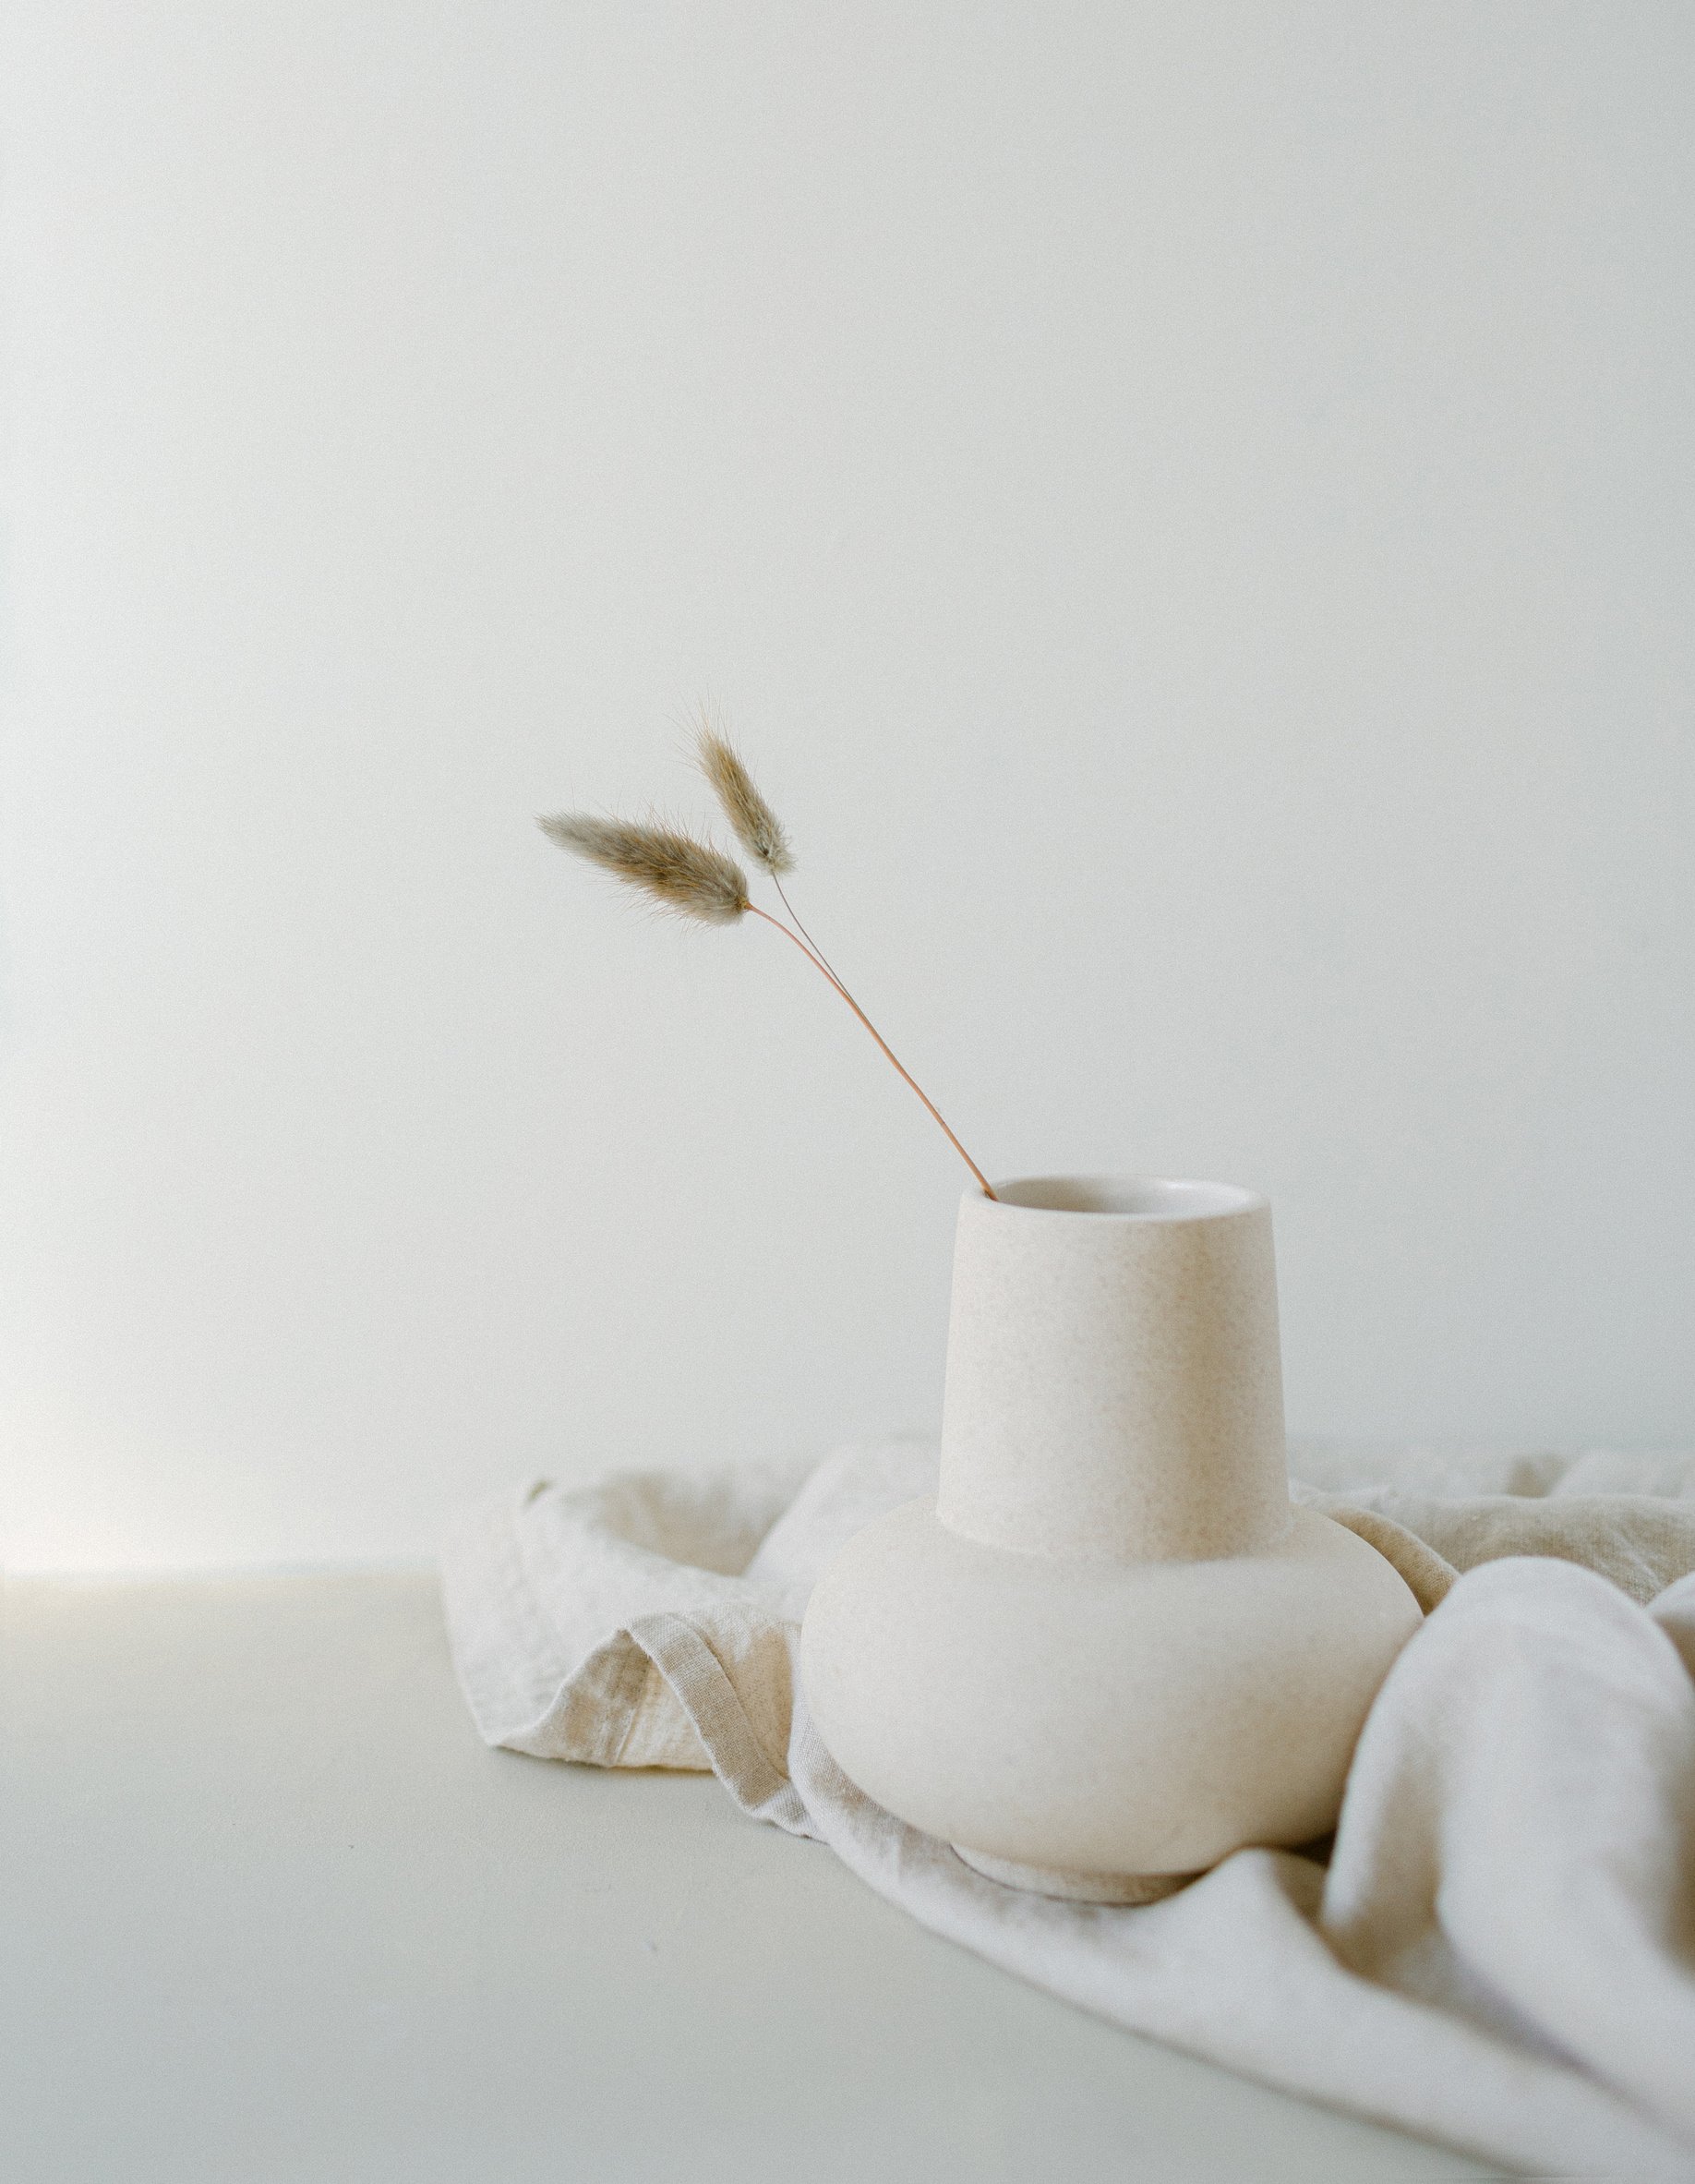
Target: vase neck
<point>1114,1387</point>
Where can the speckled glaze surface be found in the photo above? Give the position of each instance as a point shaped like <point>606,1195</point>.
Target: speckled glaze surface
<point>1110,1652</point>
<point>1114,1381</point>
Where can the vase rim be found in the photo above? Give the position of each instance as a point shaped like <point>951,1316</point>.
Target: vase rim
<point>1128,1199</point>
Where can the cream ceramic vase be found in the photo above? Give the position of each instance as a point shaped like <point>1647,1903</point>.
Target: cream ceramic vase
<point>1110,1652</point>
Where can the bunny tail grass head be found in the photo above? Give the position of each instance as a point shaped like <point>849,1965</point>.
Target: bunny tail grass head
<point>681,874</point>
<point>755,826</point>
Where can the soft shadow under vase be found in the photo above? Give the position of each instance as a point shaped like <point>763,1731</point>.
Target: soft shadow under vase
<point>1110,1652</point>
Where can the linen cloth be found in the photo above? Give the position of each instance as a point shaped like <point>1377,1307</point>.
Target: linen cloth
<point>1499,1952</point>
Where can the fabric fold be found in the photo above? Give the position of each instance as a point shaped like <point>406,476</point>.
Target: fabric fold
<point>1501,1954</point>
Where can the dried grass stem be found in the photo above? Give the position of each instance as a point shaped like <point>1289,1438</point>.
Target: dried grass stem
<point>777,925</point>
<point>693,879</point>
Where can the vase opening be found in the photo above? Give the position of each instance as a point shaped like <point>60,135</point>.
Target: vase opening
<point>1126,1198</point>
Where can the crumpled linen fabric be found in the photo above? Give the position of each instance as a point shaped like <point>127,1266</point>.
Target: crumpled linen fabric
<point>1499,1953</point>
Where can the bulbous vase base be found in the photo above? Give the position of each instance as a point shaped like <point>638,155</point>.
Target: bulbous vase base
<point>1074,1887</point>
<point>1088,1728</point>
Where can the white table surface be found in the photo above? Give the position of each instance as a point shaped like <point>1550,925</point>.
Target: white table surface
<point>270,1912</point>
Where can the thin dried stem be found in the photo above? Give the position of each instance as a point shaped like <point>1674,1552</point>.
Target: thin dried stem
<point>777,925</point>
<point>693,879</point>
<point>794,920</point>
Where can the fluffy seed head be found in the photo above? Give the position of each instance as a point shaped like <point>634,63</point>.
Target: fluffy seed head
<point>755,826</point>
<point>681,874</point>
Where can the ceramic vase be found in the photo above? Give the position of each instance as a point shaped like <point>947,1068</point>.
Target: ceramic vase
<point>1109,1652</point>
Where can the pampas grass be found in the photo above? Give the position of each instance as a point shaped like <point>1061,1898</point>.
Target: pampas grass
<point>752,820</point>
<point>695,879</point>
<point>755,826</point>
<point>687,878</point>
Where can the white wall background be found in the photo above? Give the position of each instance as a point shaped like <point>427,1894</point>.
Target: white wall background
<point>1189,506</point>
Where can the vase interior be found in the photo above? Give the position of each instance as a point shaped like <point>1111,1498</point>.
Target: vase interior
<point>1132,1198</point>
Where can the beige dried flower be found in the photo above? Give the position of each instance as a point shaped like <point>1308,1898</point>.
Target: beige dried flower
<point>681,874</point>
<point>755,826</point>
<point>694,880</point>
